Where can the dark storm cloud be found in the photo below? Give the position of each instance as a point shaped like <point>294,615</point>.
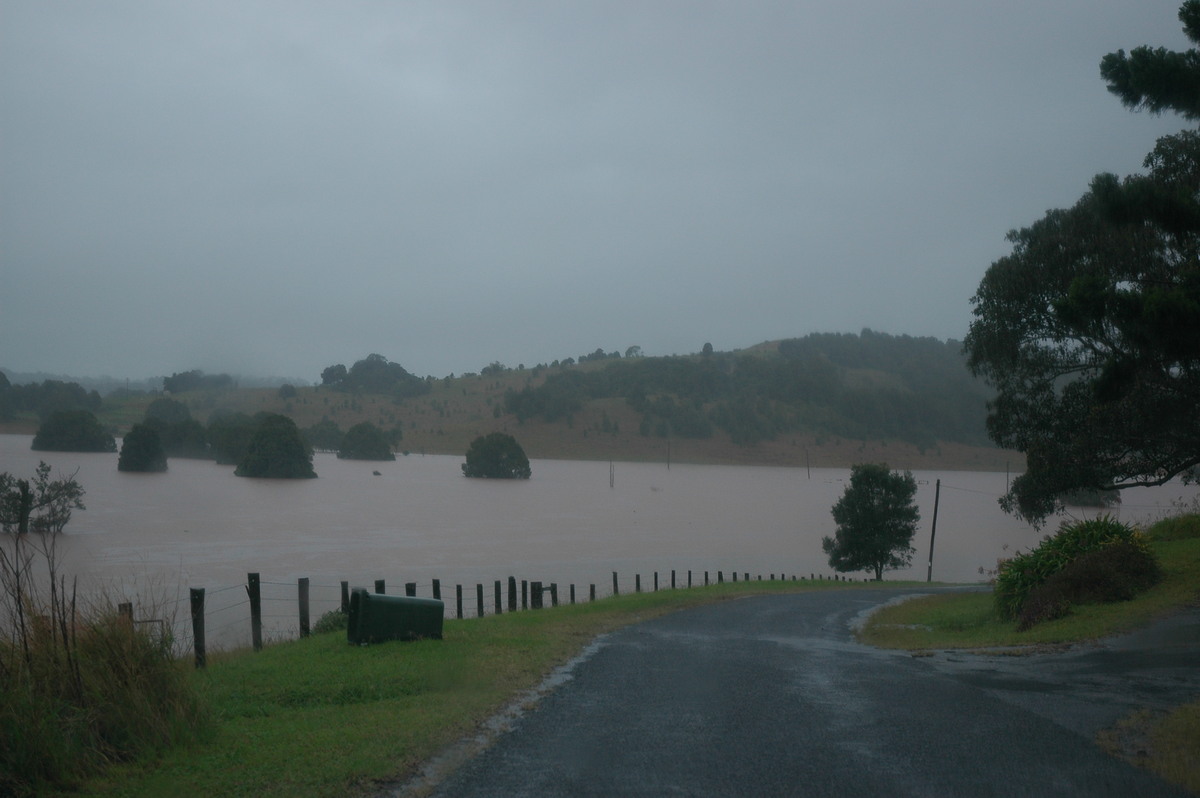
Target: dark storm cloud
<point>275,187</point>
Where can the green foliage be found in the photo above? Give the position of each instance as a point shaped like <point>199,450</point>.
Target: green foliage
<point>870,385</point>
<point>229,436</point>
<point>1090,329</point>
<point>876,520</point>
<point>332,621</point>
<point>496,456</point>
<point>142,450</point>
<point>73,431</point>
<point>1157,79</point>
<point>1019,576</point>
<point>276,451</point>
<point>374,374</point>
<point>325,436</point>
<point>168,410</point>
<point>365,441</point>
<point>1115,572</point>
<point>43,505</point>
<point>185,438</point>
<point>196,380</point>
<point>46,398</point>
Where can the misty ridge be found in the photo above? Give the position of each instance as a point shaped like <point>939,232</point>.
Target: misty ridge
<point>828,388</point>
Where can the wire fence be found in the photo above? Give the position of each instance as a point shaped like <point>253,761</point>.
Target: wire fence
<point>261,611</point>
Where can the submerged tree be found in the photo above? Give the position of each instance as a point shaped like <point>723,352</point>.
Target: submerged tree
<point>496,456</point>
<point>142,450</point>
<point>276,450</point>
<point>73,431</point>
<point>876,520</point>
<point>40,504</point>
<point>365,441</point>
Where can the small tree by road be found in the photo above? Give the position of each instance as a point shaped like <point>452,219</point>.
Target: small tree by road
<point>876,520</point>
<point>496,456</point>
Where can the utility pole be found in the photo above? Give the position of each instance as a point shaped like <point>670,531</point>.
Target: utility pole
<point>937,495</point>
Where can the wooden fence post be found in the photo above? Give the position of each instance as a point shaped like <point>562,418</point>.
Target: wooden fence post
<point>524,594</point>
<point>637,583</point>
<point>410,588</point>
<point>720,577</point>
<point>616,592</point>
<point>592,593</point>
<point>125,610</point>
<point>572,592</point>
<point>345,598</point>
<point>554,594</point>
<point>706,578</point>
<point>499,608</point>
<point>672,578</point>
<point>512,594</point>
<point>735,576</point>
<point>535,595</point>
<point>379,586</point>
<point>254,590</point>
<point>656,581</point>
<point>197,595</point>
<point>689,577</point>
<point>458,595</point>
<point>302,589</point>
<point>478,600</point>
<point>437,589</point>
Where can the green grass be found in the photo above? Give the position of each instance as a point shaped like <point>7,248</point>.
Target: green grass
<point>970,620</point>
<point>319,717</point>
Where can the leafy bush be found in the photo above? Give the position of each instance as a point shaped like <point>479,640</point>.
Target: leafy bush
<point>1115,572</point>
<point>1017,577</point>
<point>332,621</point>
<point>496,456</point>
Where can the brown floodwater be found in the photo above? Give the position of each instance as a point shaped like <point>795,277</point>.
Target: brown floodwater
<point>149,537</point>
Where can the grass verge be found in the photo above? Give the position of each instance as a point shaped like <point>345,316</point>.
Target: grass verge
<point>318,717</point>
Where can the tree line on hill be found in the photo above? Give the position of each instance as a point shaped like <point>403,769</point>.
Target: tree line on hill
<point>866,386</point>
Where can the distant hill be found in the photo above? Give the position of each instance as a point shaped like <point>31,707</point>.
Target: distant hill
<point>824,399</point>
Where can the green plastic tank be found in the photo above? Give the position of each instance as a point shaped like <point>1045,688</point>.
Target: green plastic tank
<point>375,618</point>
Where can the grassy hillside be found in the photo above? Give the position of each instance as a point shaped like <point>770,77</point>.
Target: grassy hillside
<point>857,391</point>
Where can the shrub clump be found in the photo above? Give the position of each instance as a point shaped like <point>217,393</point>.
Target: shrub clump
<point>1019,576</point>
<point>332,621</point>
<point>1116,572</point>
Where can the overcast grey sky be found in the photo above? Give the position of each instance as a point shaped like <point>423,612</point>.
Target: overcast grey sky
<point>273,187</point>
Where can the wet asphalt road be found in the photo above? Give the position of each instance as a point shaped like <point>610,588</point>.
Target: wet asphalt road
<point>771,696</point>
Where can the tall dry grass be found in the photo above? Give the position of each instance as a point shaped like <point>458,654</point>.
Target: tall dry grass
<point>83,685</point>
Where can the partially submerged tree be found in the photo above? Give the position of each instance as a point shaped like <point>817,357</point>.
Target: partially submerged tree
<point>365,441</point>
<point>496,456</point>
<point>276,450</point>
<point>73,431</point>
<point>142,451</point>
<point>1090,329</point>
<point>876,520</point>
<point>40,504</point>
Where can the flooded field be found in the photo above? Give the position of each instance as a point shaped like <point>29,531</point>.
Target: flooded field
<point>149,537</point>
